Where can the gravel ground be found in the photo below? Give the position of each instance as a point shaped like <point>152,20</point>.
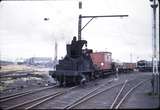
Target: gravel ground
<point>13,85</point>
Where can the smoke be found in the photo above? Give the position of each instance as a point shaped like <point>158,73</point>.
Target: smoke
<point>48,78</point>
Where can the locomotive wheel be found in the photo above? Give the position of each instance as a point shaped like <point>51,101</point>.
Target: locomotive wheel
<point>92,76</point>
<point>84,79</point>
<point>87,78</point>
<point>60,83</point>
<point>82,83</point>
<point>64,83</point>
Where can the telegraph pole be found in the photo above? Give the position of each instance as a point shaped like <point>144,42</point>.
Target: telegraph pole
<point>155,80</point>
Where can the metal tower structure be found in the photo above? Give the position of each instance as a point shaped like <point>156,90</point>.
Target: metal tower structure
<point>155,56</point>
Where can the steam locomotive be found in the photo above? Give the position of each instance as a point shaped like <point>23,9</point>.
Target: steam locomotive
<point>82,65</point>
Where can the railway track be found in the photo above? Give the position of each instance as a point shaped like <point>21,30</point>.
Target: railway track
<point>124,92</point>
<point>13,96</point>
<point>61,102</point>
<point>31,104</point>
<point>11,100</point>
<point>119,98</point>
<point>35,102</point>
<point>91,94</point>
<point>68,98</point>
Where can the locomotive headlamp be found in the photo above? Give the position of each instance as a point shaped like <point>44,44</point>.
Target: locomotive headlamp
<point>102,64</point>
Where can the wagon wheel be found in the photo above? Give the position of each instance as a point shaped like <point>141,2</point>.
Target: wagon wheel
<point>96,75</point>
<point>102,75</point>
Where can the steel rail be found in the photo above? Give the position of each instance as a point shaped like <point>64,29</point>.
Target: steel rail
<point>115,100</point>
<point>49,98</point>
<point>42,101</point>
<point>122,100</point>
<point>85,98</point>
<point>10,97</point>
<point>30,101</point>
<point>67,106</point>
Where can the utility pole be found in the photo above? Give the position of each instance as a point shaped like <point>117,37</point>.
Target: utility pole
<point>155,80</point>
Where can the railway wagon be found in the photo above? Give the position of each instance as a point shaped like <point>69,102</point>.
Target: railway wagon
<point>126,67</point>
<point>102,62</point>
<point>129,67</point>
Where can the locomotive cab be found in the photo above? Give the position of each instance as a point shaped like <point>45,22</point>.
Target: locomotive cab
<point>74,50</point>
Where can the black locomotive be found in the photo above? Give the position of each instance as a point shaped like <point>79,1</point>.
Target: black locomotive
<point>77,66</point>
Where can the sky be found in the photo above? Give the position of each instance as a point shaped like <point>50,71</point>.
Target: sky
<point>24,33</point>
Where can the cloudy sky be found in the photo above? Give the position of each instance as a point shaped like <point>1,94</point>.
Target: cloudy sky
<point>24,32</point>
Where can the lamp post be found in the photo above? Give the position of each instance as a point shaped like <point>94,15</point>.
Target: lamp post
<point>155,80</point>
